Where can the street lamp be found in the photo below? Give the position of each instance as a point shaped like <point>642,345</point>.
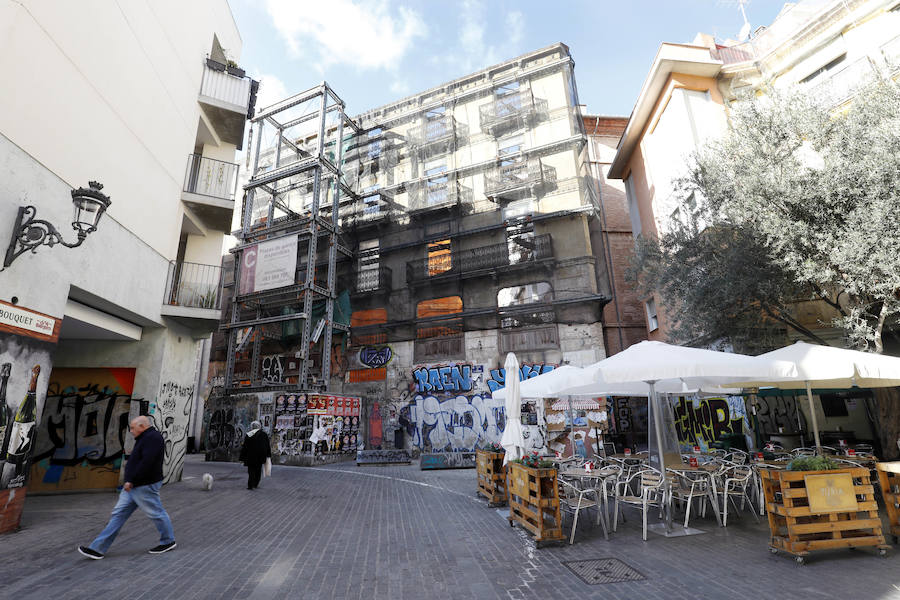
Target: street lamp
<point>29,233</point>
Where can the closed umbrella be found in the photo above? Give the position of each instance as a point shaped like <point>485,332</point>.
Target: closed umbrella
<point>828,367</point>
<point>512,441</point>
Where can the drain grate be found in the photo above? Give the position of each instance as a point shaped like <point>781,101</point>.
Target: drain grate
<point>603,570</point>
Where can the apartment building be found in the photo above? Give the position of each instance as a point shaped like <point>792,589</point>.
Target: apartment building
<point>828,47</point>
<point>403,253</point>
<point>145,98</point>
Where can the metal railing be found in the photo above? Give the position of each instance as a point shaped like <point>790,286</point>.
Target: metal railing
<point>373,280</point>
<point>432,195</point>
<point>518,107</point>
<point>223,87</point>
<point>439,129</point>
<point>520,176</point>
<point>842,84</point>
<point>193,285</point>
<point>369,208</point>
<point>210,177</point>
<point>476,259</point>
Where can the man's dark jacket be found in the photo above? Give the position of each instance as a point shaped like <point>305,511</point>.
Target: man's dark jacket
<point>255,449</point>
<point>145,466</point>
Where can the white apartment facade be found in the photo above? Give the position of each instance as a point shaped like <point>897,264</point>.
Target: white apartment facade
<point>145,98</point>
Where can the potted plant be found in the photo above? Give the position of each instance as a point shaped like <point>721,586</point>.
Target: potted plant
<point>234,69</point>
<point>214,65</point>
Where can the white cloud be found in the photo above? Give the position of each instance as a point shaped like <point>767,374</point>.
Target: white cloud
<point>271,90</point>
<point>369,34</point>
<point>400,87</point>
<point>475,52</point>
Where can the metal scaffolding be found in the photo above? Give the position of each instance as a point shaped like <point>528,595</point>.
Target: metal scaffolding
<point>290,234</point>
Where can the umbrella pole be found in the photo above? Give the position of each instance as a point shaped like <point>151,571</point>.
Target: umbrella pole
<point>812,414</point>
<point>657,426</point>
<point>571,426</point>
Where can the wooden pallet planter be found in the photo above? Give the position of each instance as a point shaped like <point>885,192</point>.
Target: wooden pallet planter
<point>491,474</point>
<point>534,502</point>
<point>818,510</point>
<point>889,478</point>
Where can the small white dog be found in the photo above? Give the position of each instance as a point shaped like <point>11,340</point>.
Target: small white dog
<point>207,481</point>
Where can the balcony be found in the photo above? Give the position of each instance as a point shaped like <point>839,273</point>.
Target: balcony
<point>373,208</point>
<point>373,281</point>
<point>435,195</point>
<point>193,295</point>
<point>512,111</point>
<point>843,84</point>
<point>227,98</point>
<point>436,134</point>
<point>209,187</point>
<point>519,179</point>
<point>478,261</point>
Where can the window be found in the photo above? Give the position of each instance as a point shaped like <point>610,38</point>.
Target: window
<point>528,293</point>
<point>369,257</point>
<point>375,143</point>
<point>519,208</point>
<point>633,210</point>
<point>509,146</point>
<point>371,201</point>
<point>652,319</point>
<point>437,190</point>
<point>507,98</point>
<point>438,307</point>
<point>824,69</point>
<point>440,258</point>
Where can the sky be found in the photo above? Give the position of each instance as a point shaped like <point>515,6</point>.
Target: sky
<point>373,52</point>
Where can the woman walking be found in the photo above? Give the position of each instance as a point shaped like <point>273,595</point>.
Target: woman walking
<point>255,452</point>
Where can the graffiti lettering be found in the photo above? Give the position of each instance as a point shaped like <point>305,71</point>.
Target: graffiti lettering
<point>704,420</point>
<point>498,376</point>
<point>273,369</point>
<point>775,413</point>
<point>174,403</point>
<point>454,424</point>
<point>453,378</point>
<point>82,424</point>
<point>375,356</point>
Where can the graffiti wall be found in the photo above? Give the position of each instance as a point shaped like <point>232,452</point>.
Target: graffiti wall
<point>170,415</point>
<point>778,414</point>
<point>27,340</point>
<point>701,421</point>
<point>81,434</point>
<point>228,421</point>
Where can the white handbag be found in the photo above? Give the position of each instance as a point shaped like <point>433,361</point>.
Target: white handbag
<point>267,468</point>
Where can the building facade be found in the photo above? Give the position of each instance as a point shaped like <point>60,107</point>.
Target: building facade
<point>827,47</point>
<point>451,227</point>
<point>153,107</point>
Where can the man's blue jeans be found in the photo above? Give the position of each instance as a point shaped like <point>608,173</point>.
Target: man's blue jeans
<point>145,497</point>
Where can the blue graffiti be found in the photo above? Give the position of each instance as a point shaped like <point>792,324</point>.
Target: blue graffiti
<point>454,424</point>
<point>375,356</point>
<point>453,378</point>
<point>498,376</point>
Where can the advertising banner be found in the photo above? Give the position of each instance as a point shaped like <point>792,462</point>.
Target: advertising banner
<point>268,265</point>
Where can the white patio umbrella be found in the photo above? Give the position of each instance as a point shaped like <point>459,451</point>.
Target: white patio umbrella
<point>828,367</point>
<point>658,364</point>
<point>512,441</point>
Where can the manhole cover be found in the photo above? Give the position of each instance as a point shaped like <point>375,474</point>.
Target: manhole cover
<point>602,570</point>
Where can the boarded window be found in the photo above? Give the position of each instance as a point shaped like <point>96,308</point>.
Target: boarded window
<point>439,307</point>
<point>366,318</point>
<point>440,259</point>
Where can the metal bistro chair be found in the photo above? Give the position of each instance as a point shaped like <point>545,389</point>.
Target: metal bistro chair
<point>689,485</point>
<point>738,481</point>
<point>574,500</point>
<point>651,486</point>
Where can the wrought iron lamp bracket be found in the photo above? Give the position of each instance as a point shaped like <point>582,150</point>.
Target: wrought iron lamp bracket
<point>29,234</point>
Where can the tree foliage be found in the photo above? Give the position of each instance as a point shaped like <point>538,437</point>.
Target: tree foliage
<point>796,201</point>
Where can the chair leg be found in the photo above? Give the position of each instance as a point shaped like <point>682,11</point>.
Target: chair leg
<point>644,513</point>
<point>615,524</point>
<point>725,513</point>
<point>687,513</point>
<point>574,525</point>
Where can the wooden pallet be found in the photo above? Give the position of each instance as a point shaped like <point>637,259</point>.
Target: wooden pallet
<point>534,502</point>
<point>491,474</point>
<point>889,478</point>
<point>798,528</point>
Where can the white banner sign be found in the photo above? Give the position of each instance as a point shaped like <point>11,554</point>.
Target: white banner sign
<point>269,265</point>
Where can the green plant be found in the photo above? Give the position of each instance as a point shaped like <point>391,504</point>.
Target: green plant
<point>813,463</point>
<point>534,461</point>
<point>208,300</point>
<point>494,447</point>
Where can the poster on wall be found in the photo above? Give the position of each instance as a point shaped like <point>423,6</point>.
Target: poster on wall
<point>268,265</point>
<point>80,437</point>
<point>27,341</point>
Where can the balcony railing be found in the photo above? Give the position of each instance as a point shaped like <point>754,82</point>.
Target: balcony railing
<point>472,260</point>
<point>844,83</point>
<point>439,347</point>
<point>518,179</point>
<point>209,177</point>
<point>225,89</point>
<point>432,195</point>
<point>193,285</point>
<point>512,110</point>
<point>435,131</point>
<point>370,281</point>
<point>370,208</point>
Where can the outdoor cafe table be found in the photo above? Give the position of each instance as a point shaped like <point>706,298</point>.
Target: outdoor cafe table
<point>703,470</point>
<point>595,476</point>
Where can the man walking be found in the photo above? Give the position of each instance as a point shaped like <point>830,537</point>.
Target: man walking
<point>143,478</point>
<point>255,451</point>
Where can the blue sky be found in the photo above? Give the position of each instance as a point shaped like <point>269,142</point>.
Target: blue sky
<point>373,52</point>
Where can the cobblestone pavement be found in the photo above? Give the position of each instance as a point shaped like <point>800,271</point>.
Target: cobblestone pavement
<point>348,532</point>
